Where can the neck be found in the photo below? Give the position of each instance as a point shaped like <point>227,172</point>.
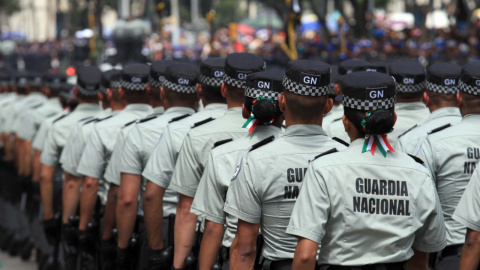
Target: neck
<point>234,104</point>
<point>117,106</point>
<point>408,100</point>
<point>156,103</point>
<point>434,107</point>
<point>80,101</point>
<point>290,121</point>
<point>469,111</point>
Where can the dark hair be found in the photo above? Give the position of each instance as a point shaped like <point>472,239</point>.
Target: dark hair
<point>305,108</point>
<point>213,93</point>
<point>410,95</point>
<point>235,93</point>
<point>379,122</point>
<point>263,110</point>
<point>87,98</point>
<point>175,98</point>
<point>133,96</point>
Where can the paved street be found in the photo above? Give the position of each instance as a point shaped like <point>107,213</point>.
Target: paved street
<point>8,262</point>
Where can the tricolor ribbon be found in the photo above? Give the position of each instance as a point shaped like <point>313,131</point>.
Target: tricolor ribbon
<point>372,141</point>
<point>252,122</point>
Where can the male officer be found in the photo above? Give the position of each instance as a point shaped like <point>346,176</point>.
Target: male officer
<point>198,143</point>
<point>267,183</point>
<point>452,155</point>
<point>160,165</point>
<point>442,105</point>
<point>264,120</point>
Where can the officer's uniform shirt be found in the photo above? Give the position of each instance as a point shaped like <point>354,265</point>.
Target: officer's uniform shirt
<point>452,155</point>
<point>31,101</point>
<point>34,118</point>
<point>382,206</point>
<point>337,129</point>
<point>412,140</point>
<point>160,165</point>
<point>10,113</point>
<point>212,190</point>
<point>60,130</point>
<point>197,145</point>
<point>5,110</point>
<point>467,211</point>
<point>41,136</point>
<point>269,182</point>
<point>408,115</point>
<point>334,115</point>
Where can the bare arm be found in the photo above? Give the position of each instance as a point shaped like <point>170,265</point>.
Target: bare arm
<point>110,212</point>
<point>185,224</point>
<point>88,199</point>
<point>212,238</point>
<point>46,190</point>
<point>419,261</point>
<point>244,246</point>
<point>153,213</point>
<point>8,147</point>
<point>305,254</point>
<point>127,207</point>
<point>70,196</point>
<point>36,166</point>
<point>27,155</point>
<point>471,251</point>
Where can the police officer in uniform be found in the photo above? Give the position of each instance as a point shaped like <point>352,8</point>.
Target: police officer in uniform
<point>198,143</point>
<point>442,105</point>
<point>368,206</point>
<point>452,154</point>
<point>160,165</point>
<point>266,185</point>
<point>261,109</point>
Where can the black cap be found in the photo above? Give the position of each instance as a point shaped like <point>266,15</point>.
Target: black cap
<point>212,71</point>
<point>368,91</point>
<point>182,78</point>
<point>239,65</point>
<point>158,70</point>
<point>470,78</point>
<point>36,79</point>
<point>89,80</point>
<point>4,78</point>
<point>135,77</point>
<point>55,80</point>
<point>110,79</point>
<point>65,91</point>
<point>409,76</point>
<point>22,79</point>
<point>352,65</point>
<point>376,67</point>
<point>443,78</point>
<point>267,84</point>
<point>307,78</point>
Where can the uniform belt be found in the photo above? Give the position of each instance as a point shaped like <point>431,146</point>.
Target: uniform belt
<point>455,250</point>
<point>281,265</point>
<point>379,266</point>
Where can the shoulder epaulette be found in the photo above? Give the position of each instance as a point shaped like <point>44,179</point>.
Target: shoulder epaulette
<point>215,145</point>
<point>262,143</point>
<point>105,118</point>
<point>335,120</point>
<point>408,130</point>
<point>341,141</point>
<point>36,106</point>
<point>197,124</point>
<point>417,159</point>
<point>178,118</point>
<point>331,151</point>
<point>438,129</point>
<point>51,114</point>
<point>146,119</point>
<point>91,120</point>
<point>60,117</point>
<point>129,123</point>
<point>85,119</point>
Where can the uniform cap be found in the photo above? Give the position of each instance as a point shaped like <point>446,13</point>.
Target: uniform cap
<point>352,65</point>
<point>66,91</point>
<point>111,79</point>
<point>239,65</point>
<point>89,80</point>
<point>443,78</point>
<point>4,79</point>
<point>135,77</point>
<point>307,78</point>
<point>36,79</point>
<point>158,70</point>
<point>470,78</point>
<point>22,79</point>
<point>54,80</point>
<point>376,67</point>
<point>182,78</point>
<point>409,76</point>
<point>368,91</point>
<point>212,71</point>
<point>266,84</point>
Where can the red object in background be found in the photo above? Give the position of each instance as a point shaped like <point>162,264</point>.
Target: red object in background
<point>70,71</point>
<point>245,29</point>
<point>239,47</point>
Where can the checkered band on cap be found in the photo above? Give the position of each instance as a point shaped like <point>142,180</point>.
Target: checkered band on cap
<point>367,105</point>
<point>233,82</point>
<point>86,92</point>
<point>448,90</point>
<point>180,88</point>
<point>216,82</point>
<point>306,90</point>
<point>116,84</point>
<point>154,83</point>
<point>469,89</point>
<point>255,93</point>
<point>133,86</point>
<point>412,88</point>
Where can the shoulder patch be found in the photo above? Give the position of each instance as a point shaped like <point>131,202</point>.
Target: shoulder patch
<point>338,119</point>
<point>146,119</point>
<point>197,124</point>
<point>408,130</point>
<point>105,118</point>
<point>129,123</point>
<point>215,145</point>
<point>331,151</point>
<point>341,141</point>
<point>178,118</point>
<point>261,143</point>
<point>417,159</point>
<point>439,129</point>
<point>59,118</point>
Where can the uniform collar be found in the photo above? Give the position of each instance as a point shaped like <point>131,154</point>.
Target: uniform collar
<point>88,107</point>
<point>234,111</point>
<point>410,105</point>
<point>36,94</point>
<point>138,107</point>
<point>158,110</point>
<point>180,110</point>
<point>358,143</point>
<point>471,117</point>
<point>304,130</point>
<point>447,111</point>
<point>265,128</point>
<point>216,106</point>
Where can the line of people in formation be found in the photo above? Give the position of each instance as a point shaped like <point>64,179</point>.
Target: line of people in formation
<point>260,178</point>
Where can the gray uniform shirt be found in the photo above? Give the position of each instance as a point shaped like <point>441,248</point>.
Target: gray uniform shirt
<point>468,209</point>
<point>31,101</point>
<point>268,184</point>
<point>408,115</point>
<point>367,209</point>
<point>41,136</point>
<point>452,155</point>
<point>212,190</point>
<point>10,112</point>
<point>33,118</point>
<point>333,116</point>
<point>58,133</point>
<point>411,142</point>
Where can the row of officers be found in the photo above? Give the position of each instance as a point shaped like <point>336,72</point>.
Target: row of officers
<point>261,177</point>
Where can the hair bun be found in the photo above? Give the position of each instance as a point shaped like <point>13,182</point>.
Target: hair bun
<point>379,122</point>
<point>264,110</point>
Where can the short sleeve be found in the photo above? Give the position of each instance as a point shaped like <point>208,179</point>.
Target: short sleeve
<point>427,155</point>
<point>468,209</point>
<point>51,150</point>
<point>72,152</point>
<point>130,160</point>
<point>312,208</point>
<point>28,128</point>
<point>243,198</point>
<point>187,171</point>
<point>160,165</point>
<point>112,173</point>
<point>92,162</point>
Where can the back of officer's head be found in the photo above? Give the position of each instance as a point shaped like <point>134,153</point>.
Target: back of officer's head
<point>442,83</point>
<point>180,85</point>
<point>88,84</point>
<point>111,82</point>
<point>133,83</point>
<point>158,70</point>
<point>21,82</point>
<point>470,88</point>
<point>409,79</point>
<point>212,71</point>
<point>35,82</point>
<point>306,89</point>
<point>262,90</point>
<point>369,94</point>
<point>237,67</point>
<point>52,83</point>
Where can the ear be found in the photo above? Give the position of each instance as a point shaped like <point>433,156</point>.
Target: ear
<point>224,90</point>
<point>75,91</point>
<point>426,99</point>
<point>121,94</point>
<point>337,89</point>
<point>100,96</point>
<point>162,93</point>
<point>109,94</point>
<point>245,113</point>
<point>328,106</point>
<point>394,118</point>
<point>346,123</point>
<point>46,91</point>
<point>282,102</point>
<point>199,91</point>
<point>459,100</point>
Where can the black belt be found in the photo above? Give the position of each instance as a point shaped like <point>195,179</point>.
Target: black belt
<point>455,250</point>
<point>281,265</point>
<point>379,266</point>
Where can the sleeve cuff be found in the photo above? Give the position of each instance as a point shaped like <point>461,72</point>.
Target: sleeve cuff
<point>466,222</point>
<point>208,216</point>
<point>182,190</point>
<point>48,161</point>
<point>299,232</point>
<point>70,170</point>
<point>130,170</point>
<point>155,179</point>
<point>430,248</point>
<point>87,172</point>
<point>241,215</point>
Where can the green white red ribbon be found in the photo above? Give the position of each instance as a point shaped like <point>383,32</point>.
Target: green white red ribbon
<point>372,142</point>
<point>251,123</point>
